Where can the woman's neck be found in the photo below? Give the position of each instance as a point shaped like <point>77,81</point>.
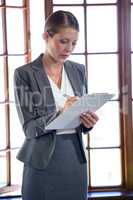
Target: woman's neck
<point>53,69</point>
<point>51,63</point>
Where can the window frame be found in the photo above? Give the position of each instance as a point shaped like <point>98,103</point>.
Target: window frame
<point>124,32</point>
<point>125,99</point>
<point>27,55</point>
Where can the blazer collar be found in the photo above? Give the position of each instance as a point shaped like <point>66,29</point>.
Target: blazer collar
<point>43,82</point>
<point>74,78</point>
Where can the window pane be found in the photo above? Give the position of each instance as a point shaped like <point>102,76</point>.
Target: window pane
<point>76,10</point>
<point>15,30</point>
<point>101,30</point>
<point>132,27</point>
<point>106,132</point>
<point>105,167</point>
<point>101,1</point>
<point>3,168</point>
<point>14,2</point>
<point>85,144</point>
<point>2,95</point>
<point>103,74</point>
<point>1,33</point>
<point>16,169</point>
<point>37,27</point>
<point>77,58</point>
<point>67,1</point>
<point>3,127</point>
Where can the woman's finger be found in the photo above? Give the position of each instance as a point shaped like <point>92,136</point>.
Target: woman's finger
<point>89,119</point>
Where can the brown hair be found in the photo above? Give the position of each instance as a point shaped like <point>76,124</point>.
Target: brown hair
<point>60,19</point>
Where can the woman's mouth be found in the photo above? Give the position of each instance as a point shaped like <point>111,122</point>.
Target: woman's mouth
<point>64,56</point>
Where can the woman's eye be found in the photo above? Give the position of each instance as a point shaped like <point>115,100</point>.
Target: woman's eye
<point>74,43</point>
<point>67,42</point>
<point>63,41</point>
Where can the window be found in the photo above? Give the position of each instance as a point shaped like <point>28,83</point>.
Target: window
<point>20,39</point>
<point>132,43</point>
<point>104,48</point>
<point>105,45</point>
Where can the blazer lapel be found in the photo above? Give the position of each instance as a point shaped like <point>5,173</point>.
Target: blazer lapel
<point>73,76</point>
<point>44,85</point>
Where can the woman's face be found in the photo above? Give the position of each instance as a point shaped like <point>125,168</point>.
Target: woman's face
<point>61,45</point>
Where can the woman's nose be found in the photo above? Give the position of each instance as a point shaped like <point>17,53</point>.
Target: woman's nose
<point>69,47</point>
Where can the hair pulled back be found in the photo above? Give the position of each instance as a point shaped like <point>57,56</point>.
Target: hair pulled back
<point>60,19</point>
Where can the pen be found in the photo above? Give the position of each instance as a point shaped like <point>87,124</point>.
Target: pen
<point>66,95</point>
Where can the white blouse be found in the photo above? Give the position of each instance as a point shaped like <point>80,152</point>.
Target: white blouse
<point>60,96</point>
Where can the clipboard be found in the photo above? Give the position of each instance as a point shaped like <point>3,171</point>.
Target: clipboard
<point>71,118</point>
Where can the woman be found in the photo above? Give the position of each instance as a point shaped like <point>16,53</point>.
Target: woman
<point>54,160</point>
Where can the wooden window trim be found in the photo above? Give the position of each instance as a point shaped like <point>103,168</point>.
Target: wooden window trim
<point>48,7</point>
<point>124,35</point>
<point>124,59</point>
<point>124,44</point>
<point>27,54</point>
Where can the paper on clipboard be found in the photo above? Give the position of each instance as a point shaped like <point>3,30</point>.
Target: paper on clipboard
<point>71,118</point>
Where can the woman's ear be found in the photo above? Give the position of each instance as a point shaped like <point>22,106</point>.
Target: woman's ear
<point>45,35</point>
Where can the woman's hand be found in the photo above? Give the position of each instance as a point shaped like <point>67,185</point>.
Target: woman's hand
<point>69,102</point>
<point>89,119</point>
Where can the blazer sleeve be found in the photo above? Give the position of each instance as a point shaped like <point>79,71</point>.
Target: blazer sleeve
<point>32,125</point>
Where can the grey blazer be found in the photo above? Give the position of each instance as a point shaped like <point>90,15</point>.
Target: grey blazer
<point>36,107</point>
